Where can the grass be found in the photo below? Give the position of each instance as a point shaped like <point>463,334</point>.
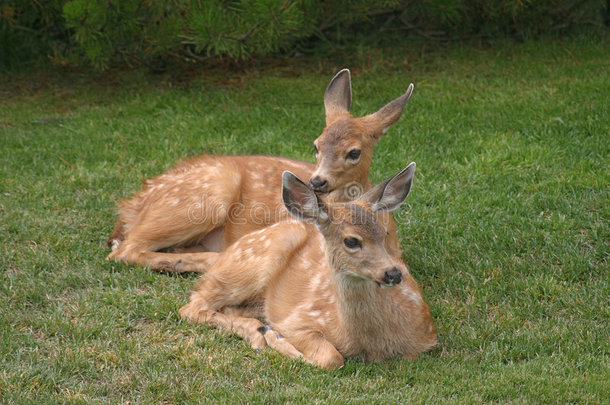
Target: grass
<point>506,228</point>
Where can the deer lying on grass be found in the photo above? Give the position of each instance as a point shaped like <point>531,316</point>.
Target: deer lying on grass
<point>206,203</point>
<point>330,292</point>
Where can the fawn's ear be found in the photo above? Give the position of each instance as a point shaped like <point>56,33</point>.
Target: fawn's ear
<point>300,200</point>
<point>389,194</point>
<point>380,121</point>
<point>338,96</point>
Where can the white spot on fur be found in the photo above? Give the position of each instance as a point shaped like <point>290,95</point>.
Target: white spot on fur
<point>411,295</point>
<point>214,171</point>
<point>322,245</point>
<point>115,245</point>
<point>315,282</point>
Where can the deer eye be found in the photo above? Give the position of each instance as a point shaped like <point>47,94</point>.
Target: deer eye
<point>352,243</point>
<point>353,154</point>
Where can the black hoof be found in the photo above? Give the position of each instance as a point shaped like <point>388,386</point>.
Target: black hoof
<point>264,329</point>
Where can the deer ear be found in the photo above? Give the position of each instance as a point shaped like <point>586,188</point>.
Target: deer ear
<point>387,116</point>
<point>300,200</point>
<point>389,194</point>
<point>338,96</point>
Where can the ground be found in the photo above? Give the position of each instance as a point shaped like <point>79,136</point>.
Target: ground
<point>506,228</point>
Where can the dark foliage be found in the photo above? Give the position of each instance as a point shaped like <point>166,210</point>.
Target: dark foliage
<point>100,32</point>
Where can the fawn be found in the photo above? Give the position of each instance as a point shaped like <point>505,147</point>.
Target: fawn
<point>206,203</point>
<point>325,293</point>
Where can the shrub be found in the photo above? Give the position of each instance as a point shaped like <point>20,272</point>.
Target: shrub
<point>146,31</point>
<point>31,30</point>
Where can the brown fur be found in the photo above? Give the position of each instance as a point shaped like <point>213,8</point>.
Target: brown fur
<point>324,298</point>
<point>206,203</point>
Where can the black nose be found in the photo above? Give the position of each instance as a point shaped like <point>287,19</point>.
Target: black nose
<point>392,276</point>
<point>318,184</point>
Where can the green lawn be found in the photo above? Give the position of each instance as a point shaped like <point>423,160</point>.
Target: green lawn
<point>506,228</point>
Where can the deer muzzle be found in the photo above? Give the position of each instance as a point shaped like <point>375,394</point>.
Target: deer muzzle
<point>318,184</point>
<point>391,278</point>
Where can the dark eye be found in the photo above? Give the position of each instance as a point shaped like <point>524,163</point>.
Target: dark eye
<point>353,154</point>
<point>352,243</point>
<point>315,148</point>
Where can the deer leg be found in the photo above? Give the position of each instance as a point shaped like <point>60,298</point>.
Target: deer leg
<point>190,249</point>
<point>174,223</point>
<point>276,341</point>
<point>243,311</point>
<point>170,262</point>
<point>224,299</point>
<point>247,328</point>
<point>316,349</point>
<point>179,262</point>
<point>136,249</point>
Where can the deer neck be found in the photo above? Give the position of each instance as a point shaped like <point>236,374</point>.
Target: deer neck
<point>363,308</point>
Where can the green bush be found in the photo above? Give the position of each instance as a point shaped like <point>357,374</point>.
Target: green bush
<point>242,29</point>
<point>132,29</point>
<point>31,30</point>
<point>149,31</point>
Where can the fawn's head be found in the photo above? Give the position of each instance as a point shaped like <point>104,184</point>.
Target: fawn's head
<point>354,237</point>
<point>345,148</point>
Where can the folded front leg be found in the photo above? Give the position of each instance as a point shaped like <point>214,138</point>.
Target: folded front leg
<point>247,328</point>
<point>276,341</point>
<point>316,349</point>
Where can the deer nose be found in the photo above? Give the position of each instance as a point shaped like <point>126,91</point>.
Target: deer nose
<point>392,277</point>
<point>318,184</point>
